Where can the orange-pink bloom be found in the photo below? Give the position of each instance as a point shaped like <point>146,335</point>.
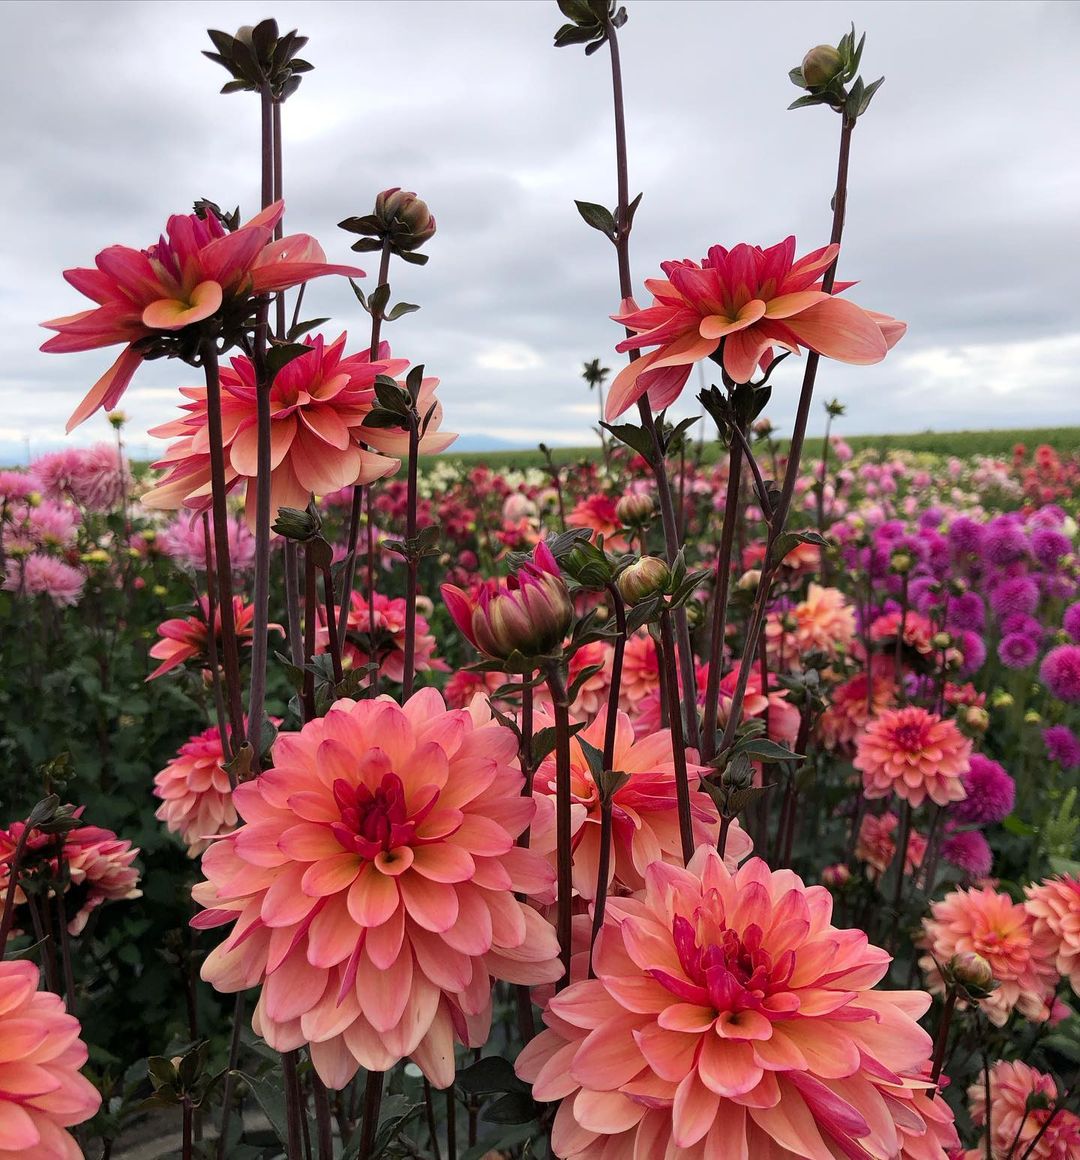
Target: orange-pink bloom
<point>184,639</point>
<point>372,884</point>
<point>846,714</point>
<point>41,1091</point>
<point>730,1019</point>
<point>1021,1100</point>
<point>196,796</point>
<point>915,754</point>
<point>876,845</point>
<point>1055,906</point>
<point>645,822</point>
<point>992,925</point>
<point>192,272</point>
<point>741,303</point>
<point>824,622</point>
<point>597,512</point>
<point>318,403</point>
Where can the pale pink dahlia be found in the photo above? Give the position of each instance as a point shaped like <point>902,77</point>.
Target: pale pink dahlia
<point>41,1090</point>
<point>914,753</point>
<point>196,797</point>
<point>1055,907</point>
<point>372,886</point>
<point>645,821</point>
<point>730,1019</point>
<point>1021,1099</point>
<point>992,925</point>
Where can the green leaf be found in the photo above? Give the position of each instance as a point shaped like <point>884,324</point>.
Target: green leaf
<point>270,1096</point>
<point>871,89</point>
<point>378,298</point>
<point>282,353</point>
<point>412,258</point>
<point>490,1074</point>
<point>513,1108</point>
<point>631,209</point>
<point>762,749</point>
<point>788,541</point>
<point>597,216</point>
<point>635,437</point>
<point>400,310</point>
<point>804,102</point>
<point>301,328</point>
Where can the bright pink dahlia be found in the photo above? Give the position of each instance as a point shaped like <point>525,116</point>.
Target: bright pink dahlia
<point>750,300</point>
<point>372,886</point>
<point>42,575</point>
<point>1055,906</point>
<point>188,275</point>
<point>185,639</point>
<point>41,1090</point>
<point>730,1019</point>
<point>914,753</point>
<point>96,478</point>
<point>196,797</point>
<point>990,924</point>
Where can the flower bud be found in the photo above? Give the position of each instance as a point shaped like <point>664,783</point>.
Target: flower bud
<point>749,581</point>
<point>838,875</point>
<point>977,719</point>
<point>117,418</point>
<point>635,509</point>
<point>297,524</point>
<point>406,217</point>
<point>820,65</point>
<point>531,620</point>
<point>1032,717</point>
<point>644,578</point>
<point>1001,700</point>
<point>941,640</point>
<point>972,973</point>
<point>900,563</point>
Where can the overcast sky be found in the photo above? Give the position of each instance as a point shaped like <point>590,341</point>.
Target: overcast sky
<point>962,219</point>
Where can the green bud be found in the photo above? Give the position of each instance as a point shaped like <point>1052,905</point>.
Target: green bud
<point>820,65</point>
<point>644,578</point>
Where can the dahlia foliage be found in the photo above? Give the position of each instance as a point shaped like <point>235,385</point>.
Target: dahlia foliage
<point>699,799</point>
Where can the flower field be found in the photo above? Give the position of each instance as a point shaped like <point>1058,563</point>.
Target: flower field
<point>711,795</point>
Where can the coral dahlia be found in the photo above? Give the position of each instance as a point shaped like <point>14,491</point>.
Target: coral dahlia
<point>41,1090</point>
<point>1055,906</point>
<point>729,1018</point>
<point>1021,1099</point>
<point>371,886</point>
<point>914,753</point>
<point>1003,932</point>
<point>196,797</point>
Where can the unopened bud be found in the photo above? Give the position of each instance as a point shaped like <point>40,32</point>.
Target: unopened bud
<point>834,876</point>
<point>406,216</point>
<point>978,719</point>
<point>635,509</point>
<point>1001,700</point>
<point>971,972</point>
<point>1031,717</point>
<point>749,581</point>
<point>117,418</point>
<point>900,563</point>
<point>531,620</point>
<point>644,578</point>
<point>821,65</point>
<point>941,640</point>
<point>297,524</point>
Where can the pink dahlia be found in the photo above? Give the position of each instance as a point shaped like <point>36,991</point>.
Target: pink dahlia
<point>876,845</point>
<point>42,575</point>
<point>1054,904</point>
<point>741,302</point>
<point>1003,932</point>
<point>914,753</point>
<point>847,712</point>
<point>388,648</point>
<point>196,797</point>
<point>41,1090</point>
<point>318,403</point>
<point>729,1018</point>
<point>641,671</point>
<point>824,622</point>
<point>96,478</point>
<point>185,543</point>
<point>394,441</point>
<point>185,640</point>
<point>371,886</point>
<point>597,512</point>
<point>1021,1099</point>
<point>645,822</point>
<point>193,271</point>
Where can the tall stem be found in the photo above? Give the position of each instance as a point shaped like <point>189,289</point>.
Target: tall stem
<point>14,869</point>
<point>900,863</point>
<point>721,591</point>
<point>332,641</point>
<point>615,687</point>
<point>230,1075</point>
<point>292,603</point>
<point>791,471</point>
<point>563,836</point>
<point>261,598</point>
<point>293,1109</point>
<point>221,541</point>
<point>324,1128</point>
<point>311,616</point>
<point>678,745</point>
<point>941,1040</point>
<point>603,868</point>
<point>211,640</point>
<point>659,465</point>
<point>412,561</point>
<point>372,1103</point>
<point>358,490</point>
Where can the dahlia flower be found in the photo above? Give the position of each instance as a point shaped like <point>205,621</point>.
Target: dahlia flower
<point>42,575</point>
<point>318,403</point>
<point>846,713</point>
<point>1003,932</point>
<point>914,753</point>
<point>729,1018</point>
<point>645,821</point>
<point>991,793</point>
<point>824,622</point>
<point>196,269</point>
<point>196,796</point>
<point>641,671</point>
<point>389,646</point>
<point>1060,673</point>
<point>597,512</point>
<point>1020,1101</point>
<point>969,851</point>
<point>1054,904</point>
<point>529,612</point>
<point>876,845</point>
<point>41,1090</point>
<point>96,478</point>
<point>372,887</point>
<point>742,302</point>
<point>185,543</point>
<point>184,639</point>
<point>53,524</point>
<point>781,716</point>
<point>1062,746</point>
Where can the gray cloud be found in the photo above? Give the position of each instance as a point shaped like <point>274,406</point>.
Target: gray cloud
<point>962,217</point>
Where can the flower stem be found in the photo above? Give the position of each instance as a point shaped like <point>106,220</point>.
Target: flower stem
<point>310,618</point>
<point>373,1090</point>
<point>615,687</point>
<point>603,868</point>
<point>292,603</point>
<point>325,1131</point>
<point>211,640</point>
<point>293,1111</point>
<point>412,561</point>
<point>451,1124</point>
<point>563,837</point>
<point>221,542</point>
<point>429,1112</point>
<point>186,1142</point>
<point>14,869</point>
<point>721,590</point>
<point>899,862</point>
<point>230,1075</point>
<point>332,640</point>
<point>659,464</point>
<point>941,1040</point>
<point>678,745</point>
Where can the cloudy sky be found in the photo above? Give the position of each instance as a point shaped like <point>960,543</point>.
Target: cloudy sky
<point>963,212</point>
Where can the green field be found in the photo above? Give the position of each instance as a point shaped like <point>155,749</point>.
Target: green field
<point>1065,440</point>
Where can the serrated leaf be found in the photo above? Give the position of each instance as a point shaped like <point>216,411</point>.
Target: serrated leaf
<point>597,216</point>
